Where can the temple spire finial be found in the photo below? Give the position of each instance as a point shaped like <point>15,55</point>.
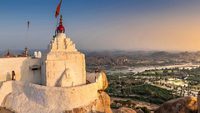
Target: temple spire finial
<point>60,28</point>
<point>61,19</point>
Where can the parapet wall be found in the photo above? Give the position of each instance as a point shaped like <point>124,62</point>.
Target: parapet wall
<point>22,68</point>
<point>31,98</point>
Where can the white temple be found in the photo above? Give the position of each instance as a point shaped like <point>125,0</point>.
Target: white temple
<point>61,66</point>
<point>53,83</point>
<point>65,66</point>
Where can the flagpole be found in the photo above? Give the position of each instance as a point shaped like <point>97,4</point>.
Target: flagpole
<point>57,13</point>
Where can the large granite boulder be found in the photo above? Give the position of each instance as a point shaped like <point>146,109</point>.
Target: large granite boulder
<point>105,81</point>
<point>180,105</point>
<point>103,103</point>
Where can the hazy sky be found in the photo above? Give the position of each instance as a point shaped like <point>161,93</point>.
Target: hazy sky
<point>103,24</point>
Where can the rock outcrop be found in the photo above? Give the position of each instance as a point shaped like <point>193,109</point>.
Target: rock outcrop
<point>4,110</point>
<point>105,81</point>
<point>101,105</point>
<point>125,110</point>
<point>180,105</point>
<point>139,111</point>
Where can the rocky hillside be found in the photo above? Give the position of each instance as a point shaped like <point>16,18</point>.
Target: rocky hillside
<point>180,105</point>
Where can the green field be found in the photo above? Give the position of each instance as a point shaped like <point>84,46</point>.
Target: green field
<point>152,94</point>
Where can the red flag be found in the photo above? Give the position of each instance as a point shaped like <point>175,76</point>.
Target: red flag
<point>58,9</point>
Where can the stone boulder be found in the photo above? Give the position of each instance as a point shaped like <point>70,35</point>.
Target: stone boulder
<point>105,81</point>
<point>180,105</point>
<point>103,103</point>
<point>125,110</point>
<point>139,111</point>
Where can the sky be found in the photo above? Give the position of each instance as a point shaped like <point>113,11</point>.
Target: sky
<point>171,25</point>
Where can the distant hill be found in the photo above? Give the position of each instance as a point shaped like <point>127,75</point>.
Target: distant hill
<point>130,58</point>
<point>140,58</point>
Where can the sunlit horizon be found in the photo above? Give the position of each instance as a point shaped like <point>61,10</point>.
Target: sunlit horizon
<point>129,25</point>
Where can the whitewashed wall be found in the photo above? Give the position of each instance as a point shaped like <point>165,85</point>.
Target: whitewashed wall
<point>58,62</point>
<point>21,66</point>
<point>31,98</point>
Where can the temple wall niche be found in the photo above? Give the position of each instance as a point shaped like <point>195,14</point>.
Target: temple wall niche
<point>22,66</point>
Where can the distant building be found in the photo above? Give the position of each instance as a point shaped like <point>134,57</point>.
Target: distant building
<point>37,54</point>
